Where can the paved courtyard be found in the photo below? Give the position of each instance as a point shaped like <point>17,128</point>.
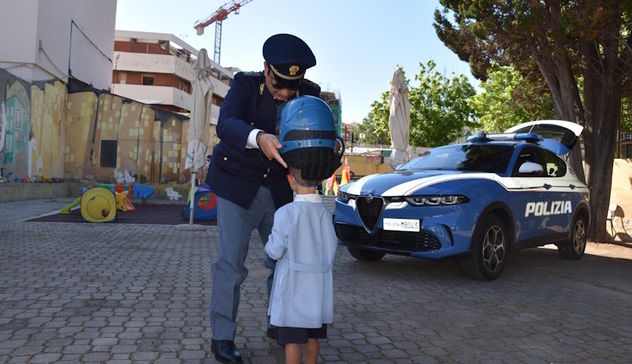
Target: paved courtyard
<point>120,293</point>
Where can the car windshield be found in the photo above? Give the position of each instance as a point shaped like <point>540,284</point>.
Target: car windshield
<point>492,158</point>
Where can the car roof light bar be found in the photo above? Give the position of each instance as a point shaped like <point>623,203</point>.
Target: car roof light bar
<point>530,137</point>
<point>482,137</point>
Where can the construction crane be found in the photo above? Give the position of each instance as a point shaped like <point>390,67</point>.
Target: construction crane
<point>217,17</point>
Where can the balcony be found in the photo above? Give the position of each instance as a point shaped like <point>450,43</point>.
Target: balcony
<point>161,95</point>
<point>152,63</point>
<point>160,63</point>
<point>158,95</point>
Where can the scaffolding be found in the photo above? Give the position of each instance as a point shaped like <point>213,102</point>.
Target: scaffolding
<point>333,100</point>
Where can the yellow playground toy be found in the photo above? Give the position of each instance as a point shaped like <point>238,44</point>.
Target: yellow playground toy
<point>98,204</point>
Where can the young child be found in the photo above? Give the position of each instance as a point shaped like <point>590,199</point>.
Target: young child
<point>304,243</point>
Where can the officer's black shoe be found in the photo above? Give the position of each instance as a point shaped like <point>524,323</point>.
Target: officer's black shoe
<point>225,351</point>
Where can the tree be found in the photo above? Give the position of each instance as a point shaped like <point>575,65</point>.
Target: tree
<point>374,128</point>
<point>566,41</point>
<point>507,100</point>
<point>439,111</point>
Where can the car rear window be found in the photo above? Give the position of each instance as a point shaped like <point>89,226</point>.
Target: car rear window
<point>466,157</point>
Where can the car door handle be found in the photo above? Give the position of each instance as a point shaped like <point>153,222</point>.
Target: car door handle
<point>572,186</point>
<point>547,186</point>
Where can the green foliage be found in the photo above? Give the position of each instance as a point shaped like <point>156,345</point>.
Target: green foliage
<point>626,115</point>
<point>374,128</point>
<point>439,112</point>
<point>508,99</point>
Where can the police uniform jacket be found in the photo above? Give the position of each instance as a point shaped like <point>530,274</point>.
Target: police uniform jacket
<point>237,172</point>
<point>304,242</point>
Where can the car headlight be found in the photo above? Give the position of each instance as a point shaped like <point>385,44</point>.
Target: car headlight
<point>435,200</point>
<point>345,197</point>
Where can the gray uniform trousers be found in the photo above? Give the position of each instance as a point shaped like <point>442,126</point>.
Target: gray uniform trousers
<point>235,224</point>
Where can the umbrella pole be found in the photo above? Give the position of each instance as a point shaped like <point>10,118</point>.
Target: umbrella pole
<point>191,226</point>
<point>192,196</point>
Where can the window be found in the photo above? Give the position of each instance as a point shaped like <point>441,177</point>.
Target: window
<point>468,157</point>
<point>149,80</point>
<point>528,154</point>
<point>108,153</point>
<point>555,166</point>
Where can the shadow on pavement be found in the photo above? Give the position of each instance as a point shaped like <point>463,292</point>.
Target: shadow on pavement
<point>160,214</point>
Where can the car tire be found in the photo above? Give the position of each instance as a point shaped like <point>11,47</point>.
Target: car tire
<point>574,247</point>
<point>488,249</point>
<point>365,255</point>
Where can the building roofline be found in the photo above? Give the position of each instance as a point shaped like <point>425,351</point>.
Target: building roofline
<point>122,35</point>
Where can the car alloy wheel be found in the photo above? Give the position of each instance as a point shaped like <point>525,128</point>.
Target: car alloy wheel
<point>488,249</point>
<point>576,245</point>
<point>494,249</point>
<point>579,237</point>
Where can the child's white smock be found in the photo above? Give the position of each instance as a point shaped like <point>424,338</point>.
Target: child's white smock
<point>304,242</point>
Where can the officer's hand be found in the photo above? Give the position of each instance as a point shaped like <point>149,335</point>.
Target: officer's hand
<point>270,145</point>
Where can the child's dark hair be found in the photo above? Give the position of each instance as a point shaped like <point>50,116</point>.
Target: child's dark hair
<point>296,173</point>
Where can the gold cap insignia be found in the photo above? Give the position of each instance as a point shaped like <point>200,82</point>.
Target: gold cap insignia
<point>293,69</point>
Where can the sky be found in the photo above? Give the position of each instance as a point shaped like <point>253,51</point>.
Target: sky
<point>357,43</point>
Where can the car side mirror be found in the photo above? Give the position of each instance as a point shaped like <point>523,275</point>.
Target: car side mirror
<point>530,168</point>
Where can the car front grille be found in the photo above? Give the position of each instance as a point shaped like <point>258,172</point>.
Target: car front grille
<point>399,241</point>
<point>369,209</point>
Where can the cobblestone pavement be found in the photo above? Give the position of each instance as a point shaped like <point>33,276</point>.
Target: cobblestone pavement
<point>72,292</point>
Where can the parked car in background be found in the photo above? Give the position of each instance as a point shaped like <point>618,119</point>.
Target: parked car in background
<point>475,201</point>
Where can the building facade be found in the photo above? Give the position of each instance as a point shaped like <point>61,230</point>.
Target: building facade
<point>44,45</point>
<point>157,69</point>
<point>43,40</point>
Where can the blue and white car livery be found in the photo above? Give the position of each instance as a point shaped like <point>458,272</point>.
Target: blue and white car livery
<point>476,201</point>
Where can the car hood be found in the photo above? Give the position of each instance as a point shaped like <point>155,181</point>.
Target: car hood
<point>404,183</point>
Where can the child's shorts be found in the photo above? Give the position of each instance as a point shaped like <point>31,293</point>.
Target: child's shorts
<point>298,335</point>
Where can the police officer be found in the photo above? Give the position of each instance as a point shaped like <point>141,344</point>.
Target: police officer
<point>247,173</point>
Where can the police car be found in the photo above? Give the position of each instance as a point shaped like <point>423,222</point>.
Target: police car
<point>476,201</point>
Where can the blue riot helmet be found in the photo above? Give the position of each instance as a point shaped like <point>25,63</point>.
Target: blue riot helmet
<point>307,132</point>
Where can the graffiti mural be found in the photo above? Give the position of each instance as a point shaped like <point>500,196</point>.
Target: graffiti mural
<point>16,154</point>
<point>3,125</point>
<point>47,141</point>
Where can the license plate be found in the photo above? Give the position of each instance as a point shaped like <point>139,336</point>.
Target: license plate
<point>401,224</point>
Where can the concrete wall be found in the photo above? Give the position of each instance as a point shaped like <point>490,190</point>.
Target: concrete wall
<point>31,191</point>
<point>621,198</point>
<point>18,35</point>
<point>149,142</point>
<point>44,40</point>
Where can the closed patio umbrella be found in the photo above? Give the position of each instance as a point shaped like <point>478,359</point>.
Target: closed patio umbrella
<point>200,120</point>
<point>399,118</point>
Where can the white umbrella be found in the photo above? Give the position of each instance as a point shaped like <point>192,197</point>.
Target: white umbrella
<point>399,118</point>
<point>200,120</point>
